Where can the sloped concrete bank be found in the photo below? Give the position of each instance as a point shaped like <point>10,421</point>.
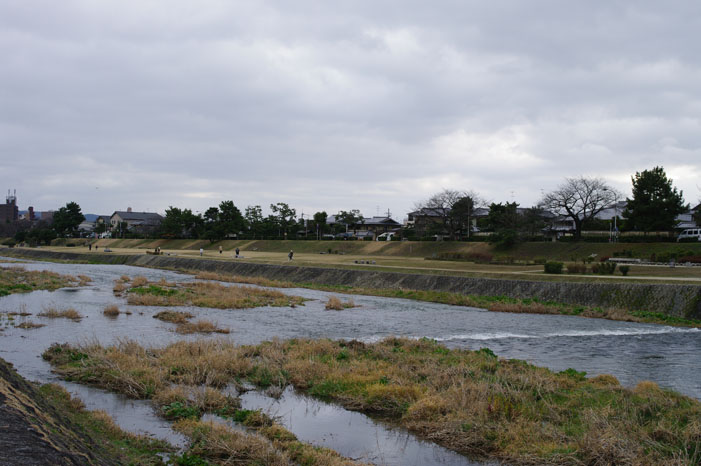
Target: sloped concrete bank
<point>675,300</point>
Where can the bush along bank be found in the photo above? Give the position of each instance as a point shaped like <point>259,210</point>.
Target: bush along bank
<point>469,401</point>
<point>680,302</point>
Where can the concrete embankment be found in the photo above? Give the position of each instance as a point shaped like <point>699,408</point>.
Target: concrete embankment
<point>675,300</point>
<point>33,431</point>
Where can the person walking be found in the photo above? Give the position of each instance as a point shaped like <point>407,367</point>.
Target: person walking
<point>290,254</point>
<point>220,250</point>
<point>201,252</point>
<point>237,252</point>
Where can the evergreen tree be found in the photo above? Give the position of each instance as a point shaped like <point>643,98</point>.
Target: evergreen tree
<point>655,204</point>
<point>67,219</point>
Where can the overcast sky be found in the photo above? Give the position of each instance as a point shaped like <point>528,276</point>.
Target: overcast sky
<point>339,105</point>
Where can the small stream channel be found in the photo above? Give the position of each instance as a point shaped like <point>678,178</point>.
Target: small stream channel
<point>632,352</point>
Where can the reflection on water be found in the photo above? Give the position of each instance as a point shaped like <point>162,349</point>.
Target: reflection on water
<point>632,352</point>
<point>351,434</point>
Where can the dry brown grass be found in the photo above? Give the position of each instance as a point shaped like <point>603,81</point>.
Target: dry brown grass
<point>139,280</point>
<point>111,311</point>
<point>53,313</point>
<point>119,287</point>
<point>208,294</point>
<point>84,280</point>
<point>337,305</point>
<point>125,278</point>
<point>28,325</point>
<point>217,442</point>
<point>200,326</point>
<point>175,317</point>
<point>469,401</point>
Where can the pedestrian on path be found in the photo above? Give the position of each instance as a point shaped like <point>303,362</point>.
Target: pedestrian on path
<point>201,252</point>
<point>220,250</point>
<point>290,254</point>
<point>237,252</point>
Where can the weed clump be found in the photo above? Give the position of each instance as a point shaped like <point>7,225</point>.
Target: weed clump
<point>28,325</point>
<point>200,326</point>
<point>336,304</point>
<point>111,311</point>
<point>175,317</point>
<point>53,313</point>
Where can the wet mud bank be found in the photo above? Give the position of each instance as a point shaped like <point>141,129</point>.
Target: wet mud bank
<point>34,431</point>
<point>675,300</point>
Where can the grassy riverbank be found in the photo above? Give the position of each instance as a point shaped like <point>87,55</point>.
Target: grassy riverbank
<point>184,381</point>
<point>469,401</point>
<point>45,425</point>
<point>491,303</point>
<point>562,251</point>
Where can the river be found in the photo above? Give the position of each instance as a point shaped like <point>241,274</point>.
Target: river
<point>631,352</point>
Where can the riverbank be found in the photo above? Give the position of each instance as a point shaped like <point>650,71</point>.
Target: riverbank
<point>44,425</point>
<point>661,303</point>
<point>529,251</point>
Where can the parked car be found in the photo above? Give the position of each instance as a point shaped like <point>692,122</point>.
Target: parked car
<point>689,234</point>
<point>327,236</point>
<point>345,235</point>
<point>386,236</point>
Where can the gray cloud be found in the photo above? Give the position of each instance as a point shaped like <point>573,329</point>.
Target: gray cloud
<point>341,105</point>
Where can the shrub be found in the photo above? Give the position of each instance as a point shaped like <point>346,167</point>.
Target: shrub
<point>553,267</point>
<point>694,259</point>
<point>576,268</point>
<point>604,268</point>
<point>624,269</point>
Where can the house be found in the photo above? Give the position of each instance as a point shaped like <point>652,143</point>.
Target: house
<point>428,220</point>
<point>687,220</point>
<point>379,225</point>
<point>142,222</point>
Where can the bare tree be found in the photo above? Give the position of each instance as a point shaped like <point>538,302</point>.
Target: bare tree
<point>452,208</point>
<point>580,199</point>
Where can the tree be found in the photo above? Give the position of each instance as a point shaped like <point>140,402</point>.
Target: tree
<point>655,204</point>
<point>180,223</point>
<point>580,199</point>
<point>453,209</point>
<point>231,219</point>
<point>533,221</point>
<point>284,215</point>
<point>67,219</point>
<point>461,215</point>
<point>350,218</point>
<point>320,223</point>
<point>504,221</point>
<point>254,218</point>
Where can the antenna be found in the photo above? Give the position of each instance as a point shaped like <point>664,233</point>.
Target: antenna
<point>389,214</point>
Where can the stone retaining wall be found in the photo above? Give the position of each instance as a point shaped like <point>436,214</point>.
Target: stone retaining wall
<point>676,300</point>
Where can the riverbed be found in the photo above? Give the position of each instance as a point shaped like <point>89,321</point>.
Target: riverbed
<point>632,352</point>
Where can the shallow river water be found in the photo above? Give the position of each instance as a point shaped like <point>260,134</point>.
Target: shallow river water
<point>631,352</point>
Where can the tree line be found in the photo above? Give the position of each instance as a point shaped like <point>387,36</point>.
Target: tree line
<point>654,206</point>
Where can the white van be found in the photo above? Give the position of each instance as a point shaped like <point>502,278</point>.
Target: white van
<point>385,236</point>
<point>692,233</point>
